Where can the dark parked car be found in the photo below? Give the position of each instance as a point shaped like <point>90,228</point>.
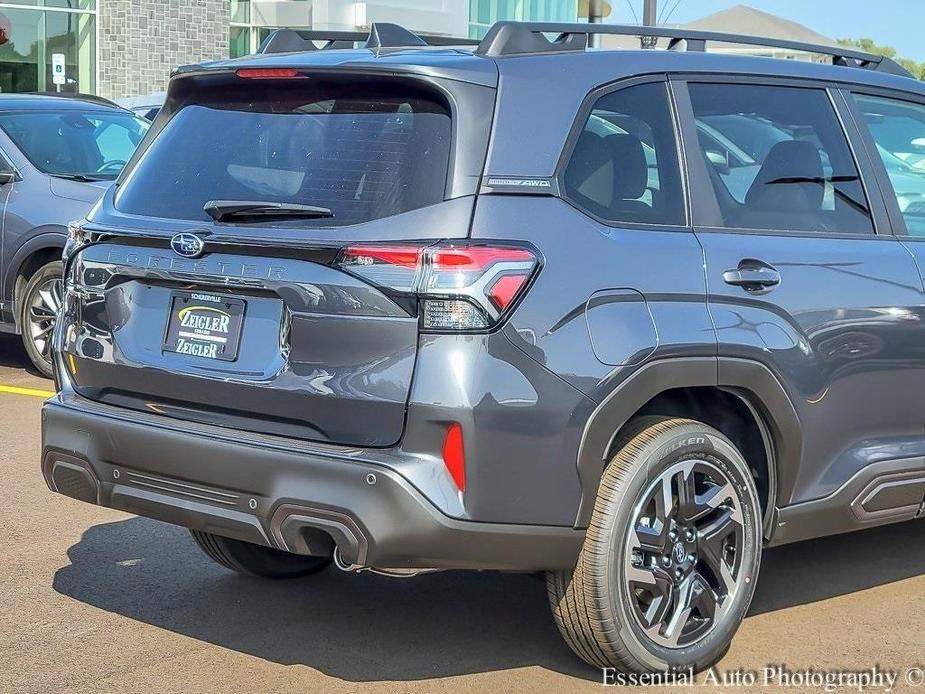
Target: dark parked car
<point>622,317</point>
<point>145,106</point>
<point>57,156</point>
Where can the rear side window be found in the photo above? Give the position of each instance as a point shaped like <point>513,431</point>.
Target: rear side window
<point>898,128</point>
<point>624,167</point>
<point>363,152</point>
<point>778,159</point>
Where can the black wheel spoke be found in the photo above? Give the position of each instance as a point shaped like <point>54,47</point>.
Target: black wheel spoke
<point>711,499</point>
<point>664,501</point>
<point>704,598</point>
<point>660,606</point>
<point>687,494</point>
<point>683,606</point>
<point>712,541</point>
<point>652,532</point>
<point>651,539</point>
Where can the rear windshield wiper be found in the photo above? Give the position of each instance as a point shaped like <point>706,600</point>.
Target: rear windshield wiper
<point>244,210</point>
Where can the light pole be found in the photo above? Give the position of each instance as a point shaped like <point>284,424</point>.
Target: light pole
<point>595,16</point>
<point>649,19</point>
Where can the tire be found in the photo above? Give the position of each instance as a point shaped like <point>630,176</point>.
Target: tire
<point>39,306</point>
<point>257,560</point>
<point>625,604</point>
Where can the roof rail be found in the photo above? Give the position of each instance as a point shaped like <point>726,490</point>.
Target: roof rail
<point>518,38</point>
<point>381,35</point>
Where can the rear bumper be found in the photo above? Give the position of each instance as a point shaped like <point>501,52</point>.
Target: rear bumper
<point>275,492</point>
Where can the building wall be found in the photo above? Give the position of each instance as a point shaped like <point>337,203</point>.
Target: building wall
<point>446,17</point>
<point>141,42</point>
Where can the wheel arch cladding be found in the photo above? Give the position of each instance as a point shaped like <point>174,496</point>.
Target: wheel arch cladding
<point>739,397</point>
<point>29,257</point>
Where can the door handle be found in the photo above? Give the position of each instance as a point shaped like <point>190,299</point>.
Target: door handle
<point>752,277</point>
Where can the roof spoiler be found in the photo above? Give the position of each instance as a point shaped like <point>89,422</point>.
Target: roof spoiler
<point>381,35</point>
<point>518,38</point>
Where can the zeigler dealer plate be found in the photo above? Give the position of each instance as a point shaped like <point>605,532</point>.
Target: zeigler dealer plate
<point>204,325</point>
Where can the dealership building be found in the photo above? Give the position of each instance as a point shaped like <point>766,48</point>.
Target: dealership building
<point>118,48</point>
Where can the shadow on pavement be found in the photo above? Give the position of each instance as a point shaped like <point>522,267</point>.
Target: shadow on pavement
<point>355,627</point>
<point>13,354</point>
<point>363,627</point>
<point>815,570</point>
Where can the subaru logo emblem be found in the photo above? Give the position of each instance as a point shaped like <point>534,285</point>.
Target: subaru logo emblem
<point>188,245</point>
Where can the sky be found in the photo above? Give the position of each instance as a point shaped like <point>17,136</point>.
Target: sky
<point>897,23</point>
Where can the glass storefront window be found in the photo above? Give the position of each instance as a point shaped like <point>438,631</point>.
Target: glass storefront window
<point>240,11</point>
<point>484,13</point>
<point>29,38</point>
<point>253,20</point>
<point>73,35</point>
<point>65,4</point>
<point>240,43</point>
<point>68,4</point>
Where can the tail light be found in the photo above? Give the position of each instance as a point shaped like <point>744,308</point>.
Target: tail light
<point>460,286</point>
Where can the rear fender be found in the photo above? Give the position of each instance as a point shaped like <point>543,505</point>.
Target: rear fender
<point>752,380</point>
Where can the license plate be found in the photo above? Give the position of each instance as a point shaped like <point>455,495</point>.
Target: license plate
<point>204,325</point>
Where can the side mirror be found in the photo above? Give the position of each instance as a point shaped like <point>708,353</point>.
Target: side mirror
<point>7,177</point>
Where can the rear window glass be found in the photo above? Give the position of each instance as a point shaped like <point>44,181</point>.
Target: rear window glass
<point>362,155</point>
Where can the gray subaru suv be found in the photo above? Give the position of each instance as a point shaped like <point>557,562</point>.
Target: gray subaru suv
<point>620,316</point>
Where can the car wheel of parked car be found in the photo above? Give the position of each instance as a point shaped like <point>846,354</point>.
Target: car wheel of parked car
<point>669,563</point>
<point>257,560</point>
<point>41,300</point>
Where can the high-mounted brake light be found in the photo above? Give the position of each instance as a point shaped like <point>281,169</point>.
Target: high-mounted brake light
<point>267,73</point>
<point>462,286</point>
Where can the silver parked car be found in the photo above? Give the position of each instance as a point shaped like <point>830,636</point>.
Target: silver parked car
<point>57,156</point>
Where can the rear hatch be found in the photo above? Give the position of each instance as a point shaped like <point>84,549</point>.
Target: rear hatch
<point>217,282</point>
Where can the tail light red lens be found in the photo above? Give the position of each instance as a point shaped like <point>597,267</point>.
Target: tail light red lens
<point>393,266</point>
<point>505,289</point>
<point>477,258</point>
<point>454,456</point>
<point>462,286</point>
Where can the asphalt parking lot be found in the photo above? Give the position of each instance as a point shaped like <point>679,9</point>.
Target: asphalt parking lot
<point>93,600</point>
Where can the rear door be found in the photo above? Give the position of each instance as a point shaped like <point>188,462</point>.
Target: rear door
<point>260,319</point>
<point>803,274</point>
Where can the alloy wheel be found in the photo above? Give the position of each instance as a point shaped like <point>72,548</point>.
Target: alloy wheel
<point>44,302</point>
<point>684,552</point>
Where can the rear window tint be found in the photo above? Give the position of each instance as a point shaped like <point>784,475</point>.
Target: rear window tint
<point>778,159</point>
<point>363,156</point>
<point>624,167</point>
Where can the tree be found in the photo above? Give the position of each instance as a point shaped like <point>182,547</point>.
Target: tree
<point>868,46</point>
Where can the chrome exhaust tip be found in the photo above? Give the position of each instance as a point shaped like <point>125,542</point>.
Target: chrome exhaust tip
<point>391,573</point>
